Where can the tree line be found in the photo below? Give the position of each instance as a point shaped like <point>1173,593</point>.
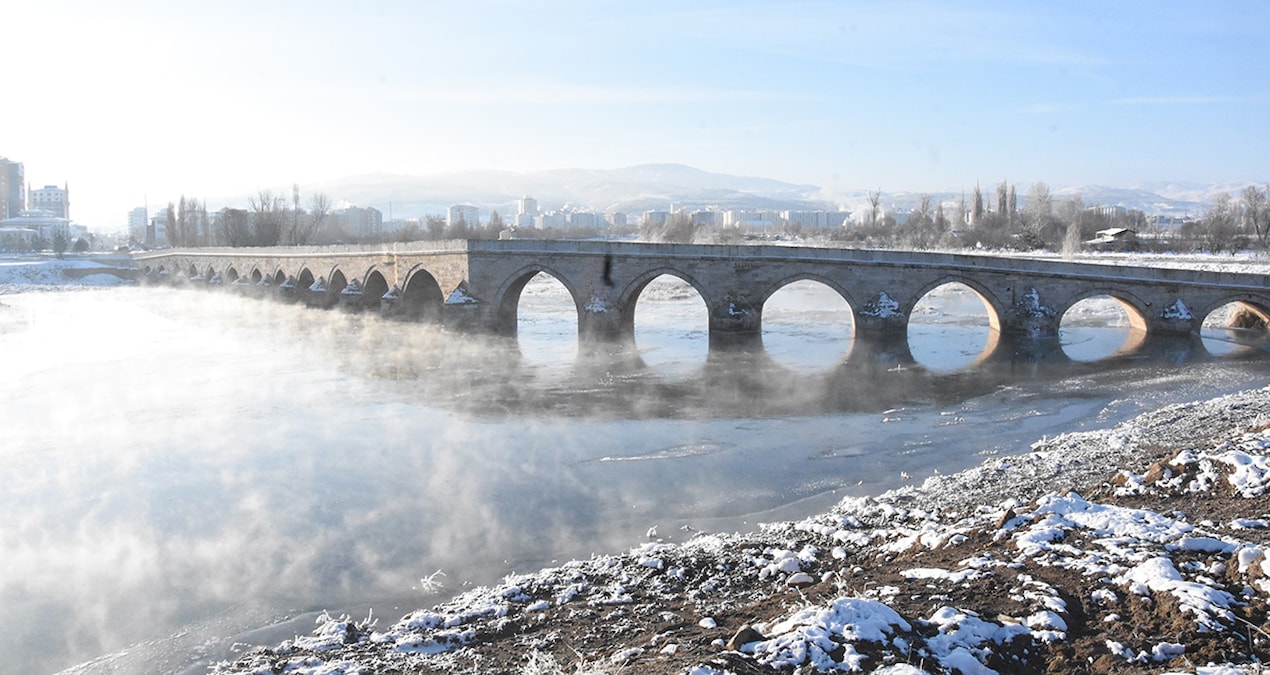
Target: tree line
<point>268,220</point>
<point>987,220</point>
<point>1047,223</point>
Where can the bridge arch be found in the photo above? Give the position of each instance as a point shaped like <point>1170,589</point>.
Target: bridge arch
<point>507,298</point>
<point>256,276</point>
<point>992,305</point>
<point>943,335</point>
<point>1078,327</point>
<point>1256,311</point>
<point>304,279</point>
<point>1232,325</point>
<point>337,281</point>
<point>374,287</point>
<point>776,287</point>
<point>1135,308</point>
<point>806,322</point>
<point>231,275</point>
<point>330,277</point>
<point>629,297</point>
<point>422,297</point>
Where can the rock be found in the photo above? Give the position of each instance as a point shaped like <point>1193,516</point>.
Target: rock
<point>800,579</point>
<point>1156,473</point>
<point>746,635</point>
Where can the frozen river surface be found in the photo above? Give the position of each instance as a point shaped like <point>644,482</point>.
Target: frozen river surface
<point>182,472</point>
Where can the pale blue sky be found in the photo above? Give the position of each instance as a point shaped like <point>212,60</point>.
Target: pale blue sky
<point>133,99</point>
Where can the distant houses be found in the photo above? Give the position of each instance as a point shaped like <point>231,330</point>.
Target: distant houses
<point>1113,239</point>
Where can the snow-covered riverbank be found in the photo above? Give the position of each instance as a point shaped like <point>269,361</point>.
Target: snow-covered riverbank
<point>24,274</point>
<point>1140,546</point>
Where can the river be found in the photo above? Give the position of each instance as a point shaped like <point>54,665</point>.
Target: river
<point>185,470</point>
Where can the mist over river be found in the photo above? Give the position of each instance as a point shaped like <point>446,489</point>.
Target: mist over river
<point>184,470</point>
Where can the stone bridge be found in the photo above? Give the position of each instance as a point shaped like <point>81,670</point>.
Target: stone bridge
<point>476,285</point>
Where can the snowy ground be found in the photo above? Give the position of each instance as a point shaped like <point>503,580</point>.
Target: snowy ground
<point>25,274</point>
<point>1140,547</point>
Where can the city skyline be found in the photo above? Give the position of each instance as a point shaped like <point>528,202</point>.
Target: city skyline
<point>144,101</point>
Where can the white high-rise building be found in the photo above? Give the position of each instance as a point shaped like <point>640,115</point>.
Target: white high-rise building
<point>52,200</point>
<point>12,189</point>
<point>528,206</point>
<point>465,212</point>
<point>138,219</point>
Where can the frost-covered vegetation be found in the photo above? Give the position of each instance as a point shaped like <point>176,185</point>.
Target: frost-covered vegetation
<point>1140,547</point>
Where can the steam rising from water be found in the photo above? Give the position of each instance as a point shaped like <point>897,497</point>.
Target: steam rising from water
<point>175,460</point>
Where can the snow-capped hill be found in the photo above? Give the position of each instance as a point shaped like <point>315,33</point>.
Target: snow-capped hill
<point>645,187</point>
<point>629,189</point>
<point>1140,199</point>
<point>1161,198</point>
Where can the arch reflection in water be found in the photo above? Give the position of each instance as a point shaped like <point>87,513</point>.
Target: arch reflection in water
<point>1234,329</point>
<point>1100,327</point>
<point>951,328</point>
<point>807,326</point>
<point>671,329</point>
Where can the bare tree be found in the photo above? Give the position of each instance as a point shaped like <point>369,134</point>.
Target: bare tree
<point>233,227</point>
<point>1013,200</point>
<point>458,229</point>
<point>170,226</point>
<point>1220,230</point>
<point>189,217</point>
<point>922,211</point>
<point>205,224</point>
<point>1072,241</point>
<point>268,213</point>
<point>1039,210</point>
<point>305,224</point>
<point>678,228</point>
<point>435,226</point>
<point>1256,208</point>
<point>874,211</point>
<point>941,221</point>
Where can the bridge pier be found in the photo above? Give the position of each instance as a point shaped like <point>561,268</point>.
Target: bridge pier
<point>351,298</point>
<point>1029,318</point>
<point>319,295</point>
<point>600,321</point>
<point>735,324</point>
<point>880,320</point>
<point>1175,319</point>
<point>287,290</point>
<point>466,317</point>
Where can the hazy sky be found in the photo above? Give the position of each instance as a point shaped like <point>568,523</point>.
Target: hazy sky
<point>135,100</point>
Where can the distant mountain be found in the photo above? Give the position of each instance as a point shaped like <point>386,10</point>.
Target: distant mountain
<point>1142,199</point>
<point>646,187</point>
<point>629,190</point>
<point>1168,199</point>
